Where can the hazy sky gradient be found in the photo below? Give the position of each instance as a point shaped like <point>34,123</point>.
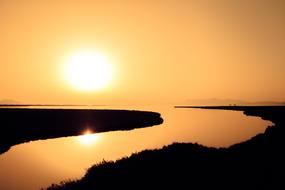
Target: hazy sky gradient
<point>162,51</point>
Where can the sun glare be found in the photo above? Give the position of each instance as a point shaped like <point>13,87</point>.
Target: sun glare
<point>87,138</point>
<point>88,71</point>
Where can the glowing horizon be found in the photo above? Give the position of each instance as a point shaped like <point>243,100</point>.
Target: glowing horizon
<point>160,52</point>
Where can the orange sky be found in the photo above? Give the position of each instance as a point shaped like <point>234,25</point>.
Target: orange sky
<point>161,50</point>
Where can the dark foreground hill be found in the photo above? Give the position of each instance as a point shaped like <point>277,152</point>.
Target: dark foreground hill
<point>255,164</point>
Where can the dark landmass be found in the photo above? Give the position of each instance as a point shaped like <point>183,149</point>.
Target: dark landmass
<point>254,164</point>
<point>19,125</point>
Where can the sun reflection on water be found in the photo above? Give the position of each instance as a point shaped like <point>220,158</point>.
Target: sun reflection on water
<point>88,138</point>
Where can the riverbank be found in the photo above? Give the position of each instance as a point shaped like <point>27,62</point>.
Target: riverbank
<point>257,163</point>
<point>20,125</point>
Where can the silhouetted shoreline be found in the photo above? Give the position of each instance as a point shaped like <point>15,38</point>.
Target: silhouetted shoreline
<point>271,113</point>
<point>257,163</point>
<point>19,125</point>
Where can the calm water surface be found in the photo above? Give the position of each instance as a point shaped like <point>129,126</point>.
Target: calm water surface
<point>39,163</point>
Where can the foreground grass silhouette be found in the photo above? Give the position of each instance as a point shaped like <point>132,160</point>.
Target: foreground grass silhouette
<point>255,164</point>
<point>19,125</point>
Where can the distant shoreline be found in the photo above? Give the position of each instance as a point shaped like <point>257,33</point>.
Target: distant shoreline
<point>273,113</point>
<point>230,107</point>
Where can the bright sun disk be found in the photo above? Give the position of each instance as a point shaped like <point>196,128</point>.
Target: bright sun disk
<point>88,71</point>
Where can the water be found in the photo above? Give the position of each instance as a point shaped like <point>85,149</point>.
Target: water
<point>39,163</point>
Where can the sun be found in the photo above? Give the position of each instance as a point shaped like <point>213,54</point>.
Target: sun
<point>88,71</point>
